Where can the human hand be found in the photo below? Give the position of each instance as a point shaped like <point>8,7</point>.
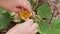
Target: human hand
<point>13,4</point>
<point>27,27</point>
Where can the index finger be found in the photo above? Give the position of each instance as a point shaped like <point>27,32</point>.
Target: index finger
<point>27,6</point>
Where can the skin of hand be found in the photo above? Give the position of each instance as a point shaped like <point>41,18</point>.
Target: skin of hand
<point>13,4</point>
<point>27,27</point>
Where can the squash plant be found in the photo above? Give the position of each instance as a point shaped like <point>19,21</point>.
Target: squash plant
<point>46,24</point>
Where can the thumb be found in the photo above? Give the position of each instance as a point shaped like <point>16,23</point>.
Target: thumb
<point>29,21</point>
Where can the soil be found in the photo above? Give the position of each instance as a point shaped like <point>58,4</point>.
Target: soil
<point>54,5</point>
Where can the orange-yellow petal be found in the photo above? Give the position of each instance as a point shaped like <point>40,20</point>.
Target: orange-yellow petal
<point>25,14</point>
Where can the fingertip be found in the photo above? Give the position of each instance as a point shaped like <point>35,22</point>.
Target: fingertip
<point>35,25</point>
<point>29,22</point>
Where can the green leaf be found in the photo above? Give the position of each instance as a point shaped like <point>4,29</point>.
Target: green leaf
<point>4,11</point>
<point>34,1</point>
<point>44,11</point>
<point>55,26</point>
<point>5,19</point>
<point>12,13</point>
<point>43,27</point>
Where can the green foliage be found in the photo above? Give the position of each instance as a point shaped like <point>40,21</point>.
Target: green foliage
<point>34,4</point>
<point>44,11</point>
<point>11,13</point>
<point>55,26</point>
<point>43,27</point>
<point>5,18</point>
